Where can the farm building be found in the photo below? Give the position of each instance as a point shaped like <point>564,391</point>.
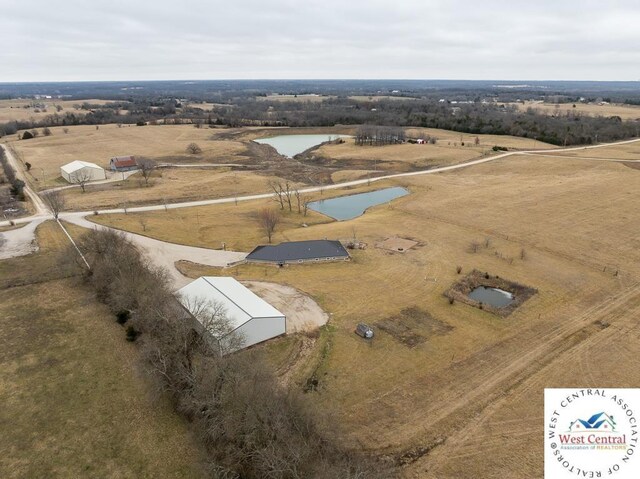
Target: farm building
<point>299,252</point>
<point>251,318</point>
<point>123,163</point>
<point>78,171</point>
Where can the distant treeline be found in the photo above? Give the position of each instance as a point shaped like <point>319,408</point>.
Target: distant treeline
<point>473,116</point>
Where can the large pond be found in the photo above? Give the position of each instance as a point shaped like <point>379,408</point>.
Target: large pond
<point>495,297</point>
<point>349,207</point>
<point>292,145</point>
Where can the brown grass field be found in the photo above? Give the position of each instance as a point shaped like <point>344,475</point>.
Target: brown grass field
<point>464,400</point>
<point>25,109</point>
<point>170,185</point>
<point>626,112</point>
<point>166,143</point>
<point>73,404</point>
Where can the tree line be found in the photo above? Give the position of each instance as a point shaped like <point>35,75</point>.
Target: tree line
<point>250,425</point>
<point>474,117</point>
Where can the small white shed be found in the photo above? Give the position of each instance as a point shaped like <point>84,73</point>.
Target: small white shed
<point>249,315</point>
<point>78,171</point>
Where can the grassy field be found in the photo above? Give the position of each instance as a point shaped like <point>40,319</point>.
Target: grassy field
<point>564,227</point>
<point>407,157</point>
<point>626,112</point>
<point>170,185</point>
<point>73,404</point>
<point>26,109</point>
<point>295,98</point>
<point>165,143</point>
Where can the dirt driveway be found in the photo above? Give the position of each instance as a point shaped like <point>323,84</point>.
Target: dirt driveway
<point>302,312</point>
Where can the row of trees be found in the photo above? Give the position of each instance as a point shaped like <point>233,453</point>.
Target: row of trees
<point>378,135</point>
<point>251,426</point>
<point>475,118</point>
<point>17,185</point>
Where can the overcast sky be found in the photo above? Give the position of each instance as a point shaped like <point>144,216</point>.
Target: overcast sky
<point>58,40</point>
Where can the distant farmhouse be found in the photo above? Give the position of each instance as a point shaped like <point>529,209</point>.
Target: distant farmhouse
<point>123,163</point>
<point>82,171</point>
<point>251,318</point>
<point>299,252</point>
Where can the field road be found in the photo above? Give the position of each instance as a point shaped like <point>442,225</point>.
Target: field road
<point>38,204</point>
<point>166,254</point>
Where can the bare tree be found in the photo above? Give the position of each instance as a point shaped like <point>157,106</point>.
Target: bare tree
<point>277,188</point>
<point>193,148</point>
<point>55,201</point>
<point>305,203</point>
<point>81,177</point>
<point>268,219</point>
<point>287,193</point>
<point>298,200</point>
<point>147,167</point>
<point>213,322</point>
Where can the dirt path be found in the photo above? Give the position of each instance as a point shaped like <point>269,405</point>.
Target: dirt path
<point>302,312</point>
<point>166,254</point>
<point>19,242</point>
<point>38,204</point>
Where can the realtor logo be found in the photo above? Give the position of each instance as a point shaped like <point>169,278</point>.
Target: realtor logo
<point>582,442</point>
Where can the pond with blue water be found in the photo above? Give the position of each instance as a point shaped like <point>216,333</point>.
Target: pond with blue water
<point>292,145</point>
<point>495,297</point>
<point>352,206</point>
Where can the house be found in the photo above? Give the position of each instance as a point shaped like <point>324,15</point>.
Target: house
<point>123,163</point>
<point>251,319</point>
<point>299,252</point>
<point>82,171</point>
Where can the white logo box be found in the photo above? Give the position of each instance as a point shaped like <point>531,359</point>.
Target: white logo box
<point>592,433</point>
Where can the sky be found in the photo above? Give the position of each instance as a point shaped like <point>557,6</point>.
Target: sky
<point>76,40</point>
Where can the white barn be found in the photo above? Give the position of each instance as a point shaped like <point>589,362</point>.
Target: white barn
<point>82,170</point>
<point>251,317</point>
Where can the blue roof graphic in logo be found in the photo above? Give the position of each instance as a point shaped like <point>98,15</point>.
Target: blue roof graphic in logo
<point>600,422</point>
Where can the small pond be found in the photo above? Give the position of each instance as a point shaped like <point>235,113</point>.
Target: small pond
<point>495,297</point>
<point>292,145</point>
<point>352,206</point>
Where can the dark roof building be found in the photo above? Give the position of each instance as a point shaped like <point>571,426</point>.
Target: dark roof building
<point>123,163</point>
<point>299,252</point>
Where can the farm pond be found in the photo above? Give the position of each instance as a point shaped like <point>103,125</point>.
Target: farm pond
<point>292,145</point>
<point>349,207</point>
<point>495,297</point>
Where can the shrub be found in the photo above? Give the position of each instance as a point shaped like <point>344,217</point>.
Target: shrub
<point>499,148</point>
<point>122,317</point>
<point>458,269</point>
<point>451,300</point>
<point>27,135</point>
<point>28,165</point>
<point>46,131</point>
<point>140,123</point>
<point>132,334</point>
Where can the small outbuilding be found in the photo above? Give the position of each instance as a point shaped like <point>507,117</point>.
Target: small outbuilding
<point>299,252</point>
<point>82,171</point>
<point>251,318</point>
<point>123,163</point>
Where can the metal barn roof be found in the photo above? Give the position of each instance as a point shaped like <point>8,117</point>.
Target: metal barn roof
<point>78,165</point>
<point>241,304</point>
<point>123,161</point>
<point>299,250</point>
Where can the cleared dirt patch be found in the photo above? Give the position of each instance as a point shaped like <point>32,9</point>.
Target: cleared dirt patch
<point>405,325</point>
<point>302,312</point>
<point>460,290</point>
<point>396,244</point>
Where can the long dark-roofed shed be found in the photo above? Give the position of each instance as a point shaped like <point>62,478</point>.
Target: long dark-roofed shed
<point>299,252</point>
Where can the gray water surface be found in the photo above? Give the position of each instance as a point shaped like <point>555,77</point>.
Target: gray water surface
<point>291,145</point>
<point>495,297</point>
<point>352,206</point>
